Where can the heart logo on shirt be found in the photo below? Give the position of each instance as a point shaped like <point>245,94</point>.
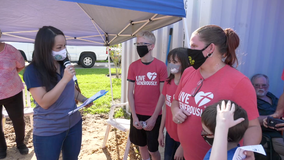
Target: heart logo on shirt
<point>202,98</point>
<point>151,76</point>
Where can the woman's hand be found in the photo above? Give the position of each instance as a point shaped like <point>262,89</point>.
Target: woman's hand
<point>89,105</point>
<point>179,116</point>
<point>69,72</point>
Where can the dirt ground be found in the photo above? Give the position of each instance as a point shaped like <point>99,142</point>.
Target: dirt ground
<point>94,128</point>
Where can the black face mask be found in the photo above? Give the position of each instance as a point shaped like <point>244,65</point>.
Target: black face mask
<point>196,57</point>
<point>208,140</point>
<point>142,51</point>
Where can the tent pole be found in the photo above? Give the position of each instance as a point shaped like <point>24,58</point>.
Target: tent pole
<point>186,32</point>
<point>109,69</point>
<point>169,44</point>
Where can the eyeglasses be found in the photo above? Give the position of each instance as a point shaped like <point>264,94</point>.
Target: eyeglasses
<point>260,85</point>
<point>142,44</point>
<point>205,134</point>
<point>197,88</point>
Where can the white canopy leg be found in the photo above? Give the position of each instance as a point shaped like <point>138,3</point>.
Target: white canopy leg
<point>109,69</point>
<point>186,32</point>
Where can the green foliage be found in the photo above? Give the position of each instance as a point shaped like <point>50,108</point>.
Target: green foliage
<point>115,54</point>
<point>92,80</point>
<point>102,61</point>
<point>120,112</point>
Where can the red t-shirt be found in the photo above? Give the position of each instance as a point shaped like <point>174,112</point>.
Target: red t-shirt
<point>147,78</point>
<point>227,83</point>
<point>169,91</point>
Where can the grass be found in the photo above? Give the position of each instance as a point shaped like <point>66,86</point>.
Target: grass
<point>91,81</point>
<point>102,61</point>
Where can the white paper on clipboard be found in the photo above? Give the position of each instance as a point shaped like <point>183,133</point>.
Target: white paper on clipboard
<point>239,154</point>
<point>89,100</point>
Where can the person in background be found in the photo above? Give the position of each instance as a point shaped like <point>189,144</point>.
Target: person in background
<point>146,78</point>
<point>223,126</point>
<point>278,113</point>
<point>53,90</point>
<point>177,63</point>
<point>11,95</point>
<point>280,107</point>
<point>266,104</point>
<point>212,78</point>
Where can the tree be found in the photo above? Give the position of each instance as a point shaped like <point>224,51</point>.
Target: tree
<point>115,55</point>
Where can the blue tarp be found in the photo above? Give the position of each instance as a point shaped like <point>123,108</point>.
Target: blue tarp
<point>85,24</point>
<point>165,7</point>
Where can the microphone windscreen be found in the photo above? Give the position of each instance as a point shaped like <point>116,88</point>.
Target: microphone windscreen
<point>66,62</point>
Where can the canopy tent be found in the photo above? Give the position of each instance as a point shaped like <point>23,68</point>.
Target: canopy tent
<point>88,22</point>
<point>83,24</point>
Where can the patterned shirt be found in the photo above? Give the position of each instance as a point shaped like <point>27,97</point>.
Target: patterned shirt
<point>10,82</point>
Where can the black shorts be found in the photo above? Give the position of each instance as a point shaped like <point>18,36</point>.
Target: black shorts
<point>142,138</point>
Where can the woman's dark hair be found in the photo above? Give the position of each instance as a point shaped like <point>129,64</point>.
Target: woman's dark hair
<point>181,55</point>
<point>42,56</point>
<point>236,132</point>
<point>227,41</point>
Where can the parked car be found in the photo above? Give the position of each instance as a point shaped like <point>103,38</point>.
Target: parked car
<point>86,56</point>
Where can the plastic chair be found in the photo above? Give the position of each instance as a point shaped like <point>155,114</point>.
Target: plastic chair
<point>119,123</point>
<point>28,110</point>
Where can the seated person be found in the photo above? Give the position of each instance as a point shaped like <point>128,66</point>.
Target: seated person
<point>228,131</point>
<point>280,107</point>
<point>266,104</point>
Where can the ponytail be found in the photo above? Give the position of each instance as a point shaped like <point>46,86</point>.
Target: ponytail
<point>232,42</point>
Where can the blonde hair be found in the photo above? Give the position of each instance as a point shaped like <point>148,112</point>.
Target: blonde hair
<point>148,35</point>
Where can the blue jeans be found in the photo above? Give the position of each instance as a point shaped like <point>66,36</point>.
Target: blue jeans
<point>49,147</point>
<point>170,148</point>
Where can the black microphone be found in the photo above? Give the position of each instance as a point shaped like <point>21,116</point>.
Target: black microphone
<point>66,63</point>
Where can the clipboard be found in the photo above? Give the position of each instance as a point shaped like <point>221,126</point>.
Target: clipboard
<point>89,100</point>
